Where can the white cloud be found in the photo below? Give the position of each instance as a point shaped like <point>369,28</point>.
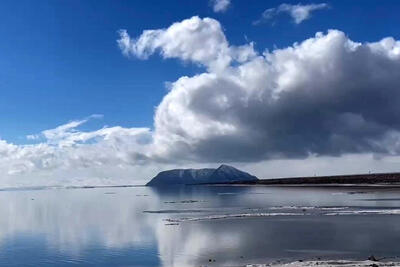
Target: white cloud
<point>325,96</point>
<point>32,137</point>
<point>68,156</point>
<point>220,5</point>
<point>298,12</point>
<point>200,41</point>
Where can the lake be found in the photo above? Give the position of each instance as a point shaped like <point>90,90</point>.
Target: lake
<point>196,225</point>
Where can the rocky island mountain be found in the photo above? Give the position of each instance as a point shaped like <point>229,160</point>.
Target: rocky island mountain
<point>222,174</point>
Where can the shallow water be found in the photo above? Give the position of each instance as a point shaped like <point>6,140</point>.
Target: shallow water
<point>189,226</point>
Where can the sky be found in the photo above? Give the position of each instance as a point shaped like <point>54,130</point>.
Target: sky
<point>111,92</point>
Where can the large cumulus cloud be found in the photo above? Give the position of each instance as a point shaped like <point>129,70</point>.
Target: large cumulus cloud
<point>327,95</point>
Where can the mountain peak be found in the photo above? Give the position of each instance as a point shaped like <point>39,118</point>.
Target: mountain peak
<point>227,169</point>
<point>225,166</point>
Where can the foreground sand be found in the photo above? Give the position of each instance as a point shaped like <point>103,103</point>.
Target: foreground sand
<point>339,263</point>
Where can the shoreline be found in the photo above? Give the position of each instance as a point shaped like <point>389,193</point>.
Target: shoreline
<point>330,263</point>
<point>371,261</point>
<point>371,179</point>
<point>366,186</point>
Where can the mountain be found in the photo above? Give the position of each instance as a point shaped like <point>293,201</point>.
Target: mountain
<point>223,174</point>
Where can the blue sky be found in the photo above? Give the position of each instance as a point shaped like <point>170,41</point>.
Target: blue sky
<point>60,60</point>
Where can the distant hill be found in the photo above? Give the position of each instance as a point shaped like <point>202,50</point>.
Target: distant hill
<point>223,174</point>
<point>373,178</point>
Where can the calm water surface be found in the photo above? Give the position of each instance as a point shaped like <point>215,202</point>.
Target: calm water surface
<point>188,226</point>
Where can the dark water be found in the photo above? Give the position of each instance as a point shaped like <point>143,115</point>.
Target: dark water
<point>188,226</point>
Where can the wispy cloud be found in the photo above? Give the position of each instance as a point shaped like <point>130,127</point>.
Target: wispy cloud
<point>298,13</point>
<point>220,5</point>
<point>32,137</point>
<point>66,152</point>
<point>67,134</point>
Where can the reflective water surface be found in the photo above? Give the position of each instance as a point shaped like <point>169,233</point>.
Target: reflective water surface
<point>191,226</point>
